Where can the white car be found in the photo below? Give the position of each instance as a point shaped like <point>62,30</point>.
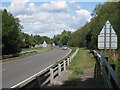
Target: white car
<point>64,47</point>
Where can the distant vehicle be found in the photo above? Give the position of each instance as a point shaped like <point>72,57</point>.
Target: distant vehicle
<point>64,47</point>
<point>60,45</point>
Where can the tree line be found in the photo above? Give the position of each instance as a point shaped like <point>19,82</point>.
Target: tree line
<point>32,40</point>
<point>87,36</point>
<point>63,38</point>
<point>13,39</point>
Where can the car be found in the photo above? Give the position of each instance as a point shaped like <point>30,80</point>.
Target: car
<point>60,45</point>
<point>64,47</point>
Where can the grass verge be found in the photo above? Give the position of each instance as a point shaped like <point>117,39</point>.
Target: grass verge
<point>37,49</point>
<point>83,60</point>
<point>40,50</point>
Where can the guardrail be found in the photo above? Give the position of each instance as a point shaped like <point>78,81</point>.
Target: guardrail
<point>18,54</point>
<point>111,79</point>
<point>46,77</point>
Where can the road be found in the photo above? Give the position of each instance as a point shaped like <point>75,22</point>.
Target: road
<point>16,71</point>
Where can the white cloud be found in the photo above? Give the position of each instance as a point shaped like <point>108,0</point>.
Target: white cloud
<point>55,6</point>
<point>72,1</point>
<point>84,14</point>
<point>18,6</point>
<point>74,5</point>
<point>31,8</point>
<point>43,21</point>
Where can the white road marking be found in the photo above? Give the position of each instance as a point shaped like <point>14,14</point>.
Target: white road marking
<point>32,77</point>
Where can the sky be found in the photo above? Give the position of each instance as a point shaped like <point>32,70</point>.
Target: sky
<point>50,18</point>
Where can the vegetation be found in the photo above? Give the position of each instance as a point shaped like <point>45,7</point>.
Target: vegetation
<point>83,60</point>
<point>90,31</point>
<point>38,49</point>
<point>86,36</point>
<point>13,40</point>
<point>73,50</point>
<point>31,41</point>
<point>63,38</point>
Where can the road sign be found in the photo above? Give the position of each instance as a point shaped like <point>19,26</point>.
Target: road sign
<point>107,38</point>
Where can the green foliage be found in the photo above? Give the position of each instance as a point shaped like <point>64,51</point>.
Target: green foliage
<point>37,49</point>
<point>87,36</point>
<point>63,38</point>
<point>11,37</point>
<point>83,60</point>
<point>31,41</point>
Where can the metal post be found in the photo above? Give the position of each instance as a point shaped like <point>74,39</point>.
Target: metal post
<point>51,76</point>
<point>68,61</point>
<point>110,40</point>
<point>105,39</point>
<point>111,78</point>
<point>59,69</point>
<point>64,65</point>
<point>106,66</point>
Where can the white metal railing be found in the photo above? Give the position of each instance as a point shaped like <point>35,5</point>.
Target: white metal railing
<point>47,76</point>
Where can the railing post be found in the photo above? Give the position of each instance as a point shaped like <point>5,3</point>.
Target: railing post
<point>68,61</point>
<point>111,78</point>
<point>64,64</point>
<point>70,58</point>
<point>38,79</point>
<point>51,76</point>
<point>59,69</point>
<point>106,66</point>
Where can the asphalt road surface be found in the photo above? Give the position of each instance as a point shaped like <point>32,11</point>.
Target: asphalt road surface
<point>16,71</point>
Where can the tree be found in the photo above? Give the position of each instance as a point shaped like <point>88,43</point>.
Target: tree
<point>11,34</point>
<point>63,38</point>
<point>45,38</point>
<point>102,12</point>
<point>88,39</point>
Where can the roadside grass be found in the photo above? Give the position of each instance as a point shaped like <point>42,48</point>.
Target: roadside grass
<point>40,50</point>
<point>37,49</point>
<point>83,60</point>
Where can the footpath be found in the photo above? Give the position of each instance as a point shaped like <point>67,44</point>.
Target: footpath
<point>87,80</point>
<point>82,72</point>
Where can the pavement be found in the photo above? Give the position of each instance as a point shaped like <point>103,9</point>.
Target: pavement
<point>87,80</point>
<point>15,71</point>
<point>61,79</point>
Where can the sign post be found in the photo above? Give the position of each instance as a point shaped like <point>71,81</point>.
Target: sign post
<point>107,38</point>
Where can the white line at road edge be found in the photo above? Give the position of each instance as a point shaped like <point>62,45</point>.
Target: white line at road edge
<point>34,76</point>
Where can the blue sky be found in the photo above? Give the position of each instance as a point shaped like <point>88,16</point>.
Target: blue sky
<point>84,5</point>
<point>50,18</point>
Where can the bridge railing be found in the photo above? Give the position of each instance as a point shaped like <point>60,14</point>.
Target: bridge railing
<point>47,76</point>
<point>111,79</point>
